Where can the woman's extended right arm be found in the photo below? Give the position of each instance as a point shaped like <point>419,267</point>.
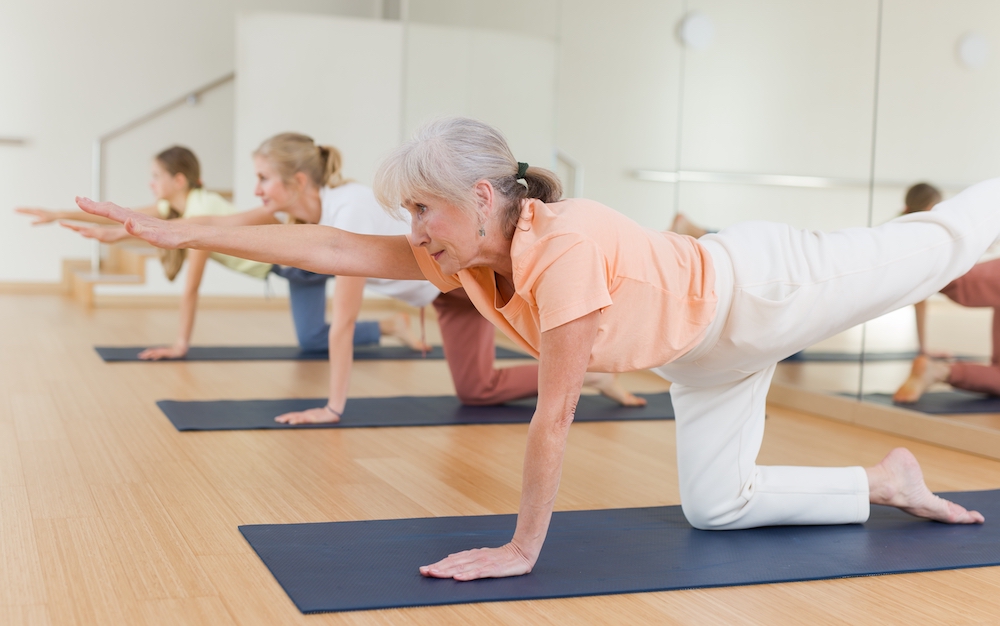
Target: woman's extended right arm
<point>319,249</point>
<point>253,217</point>
<point>45,216</point>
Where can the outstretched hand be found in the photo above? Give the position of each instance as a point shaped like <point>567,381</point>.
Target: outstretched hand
<point>499,562</point>
<point>104,234</point>
<point>160,233</point>
<point>42,216</point>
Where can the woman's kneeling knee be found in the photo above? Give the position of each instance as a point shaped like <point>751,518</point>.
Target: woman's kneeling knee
<point>706,514</point>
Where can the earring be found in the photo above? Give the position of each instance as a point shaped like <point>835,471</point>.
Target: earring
<point>482,232</point>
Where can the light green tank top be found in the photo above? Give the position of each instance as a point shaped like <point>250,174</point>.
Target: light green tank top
<point>201,202</point>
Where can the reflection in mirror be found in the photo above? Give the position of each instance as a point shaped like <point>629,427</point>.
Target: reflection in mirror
<point>766,112</point>
<point>768,118</point>
<point>939,90</point>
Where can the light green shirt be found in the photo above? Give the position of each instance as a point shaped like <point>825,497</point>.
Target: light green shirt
<point>201,202</point>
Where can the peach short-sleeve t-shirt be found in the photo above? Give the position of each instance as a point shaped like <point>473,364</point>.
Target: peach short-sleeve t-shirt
<point>655,290</point>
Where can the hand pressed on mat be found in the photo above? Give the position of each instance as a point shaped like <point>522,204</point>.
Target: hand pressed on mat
<point>499,562</point>
<point>318,415</point>
<point>176,351</point>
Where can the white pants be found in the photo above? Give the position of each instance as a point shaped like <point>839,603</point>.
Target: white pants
<point>781,290</point>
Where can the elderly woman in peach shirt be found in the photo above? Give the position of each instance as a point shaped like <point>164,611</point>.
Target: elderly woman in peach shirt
<point>583,288</point>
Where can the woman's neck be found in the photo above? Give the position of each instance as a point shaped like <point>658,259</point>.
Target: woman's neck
<point>311,205</point>
<point>179,200</point>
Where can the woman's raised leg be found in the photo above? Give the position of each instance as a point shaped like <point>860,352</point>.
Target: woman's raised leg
<point>793,288</point>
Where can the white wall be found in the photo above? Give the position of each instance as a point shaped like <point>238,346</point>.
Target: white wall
<point>337,80</point>
<point>937,118</point>
<point>537,18</point>
<point>447,68</point>
<point>617,100</point>
<point>785,88</point>
<point>364,86</point>
<point>73,70</point>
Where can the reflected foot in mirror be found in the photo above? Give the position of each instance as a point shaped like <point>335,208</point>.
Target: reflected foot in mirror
<point>898,481</point>
<point>924,373</point>
<point>398,326</point>
<point>683,226</point>
<point>610,387</point>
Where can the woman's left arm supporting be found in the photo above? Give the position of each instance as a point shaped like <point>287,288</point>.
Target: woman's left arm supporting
<point>564,355</point>
<point>348,296</point>
<point>196,261</point>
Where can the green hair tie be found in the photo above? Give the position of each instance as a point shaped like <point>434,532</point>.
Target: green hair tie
<point>522,169</point>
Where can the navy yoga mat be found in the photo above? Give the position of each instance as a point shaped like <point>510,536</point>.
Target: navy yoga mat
<point>944,402</point>
<point>396,411</point>
<point>854,357</point>
<point>286,353</point>
<point>347,566</point>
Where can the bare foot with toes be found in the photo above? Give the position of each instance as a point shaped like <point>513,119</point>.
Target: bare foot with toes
<point>924,373</point>
<point>898,481</point>
<point>683,226</point>
<point>398,326</point>
<point>609,386</point>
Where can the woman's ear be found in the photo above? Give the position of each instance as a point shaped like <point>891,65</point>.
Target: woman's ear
<point>485,195</point>
<point>301,180</point>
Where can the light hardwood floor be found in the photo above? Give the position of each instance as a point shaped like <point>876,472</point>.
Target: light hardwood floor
<point>109,516</point>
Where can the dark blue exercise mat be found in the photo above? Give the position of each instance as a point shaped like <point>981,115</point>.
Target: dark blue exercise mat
<point>943,402</point>
<point>807,356</point>
<point>348,566</point>
<point>287,353</point>
<point>396,411</point>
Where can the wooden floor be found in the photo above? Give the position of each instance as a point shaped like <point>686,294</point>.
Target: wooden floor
<point>110,516</point>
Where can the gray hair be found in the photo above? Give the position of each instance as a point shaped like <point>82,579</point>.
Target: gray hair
<point>447,157</point>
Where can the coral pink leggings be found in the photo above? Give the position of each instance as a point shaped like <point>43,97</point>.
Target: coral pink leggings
<point>468,340</point>
<point>979,288</point>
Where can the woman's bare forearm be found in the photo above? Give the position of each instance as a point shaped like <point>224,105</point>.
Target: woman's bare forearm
<point>253,217</point>
<point>348,295</point>
<point>83,216</point>
<point>196,261</point>
<point>319,249</point>
<point>564,357</point>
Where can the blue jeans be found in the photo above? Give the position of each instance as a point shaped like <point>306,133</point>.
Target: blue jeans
<point>307,291</point>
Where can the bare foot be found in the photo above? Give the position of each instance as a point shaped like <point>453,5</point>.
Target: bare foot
<point>398,326</point>
<point>609,386</point>
<point>683,226</point>
<point>924,373</point>
<point>897,481</point>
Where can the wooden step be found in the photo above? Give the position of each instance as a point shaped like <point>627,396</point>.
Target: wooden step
<point>128,258</point>
<point>83,281</point>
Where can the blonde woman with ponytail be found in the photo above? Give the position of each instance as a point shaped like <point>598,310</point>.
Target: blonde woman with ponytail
<point>586,289</point>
